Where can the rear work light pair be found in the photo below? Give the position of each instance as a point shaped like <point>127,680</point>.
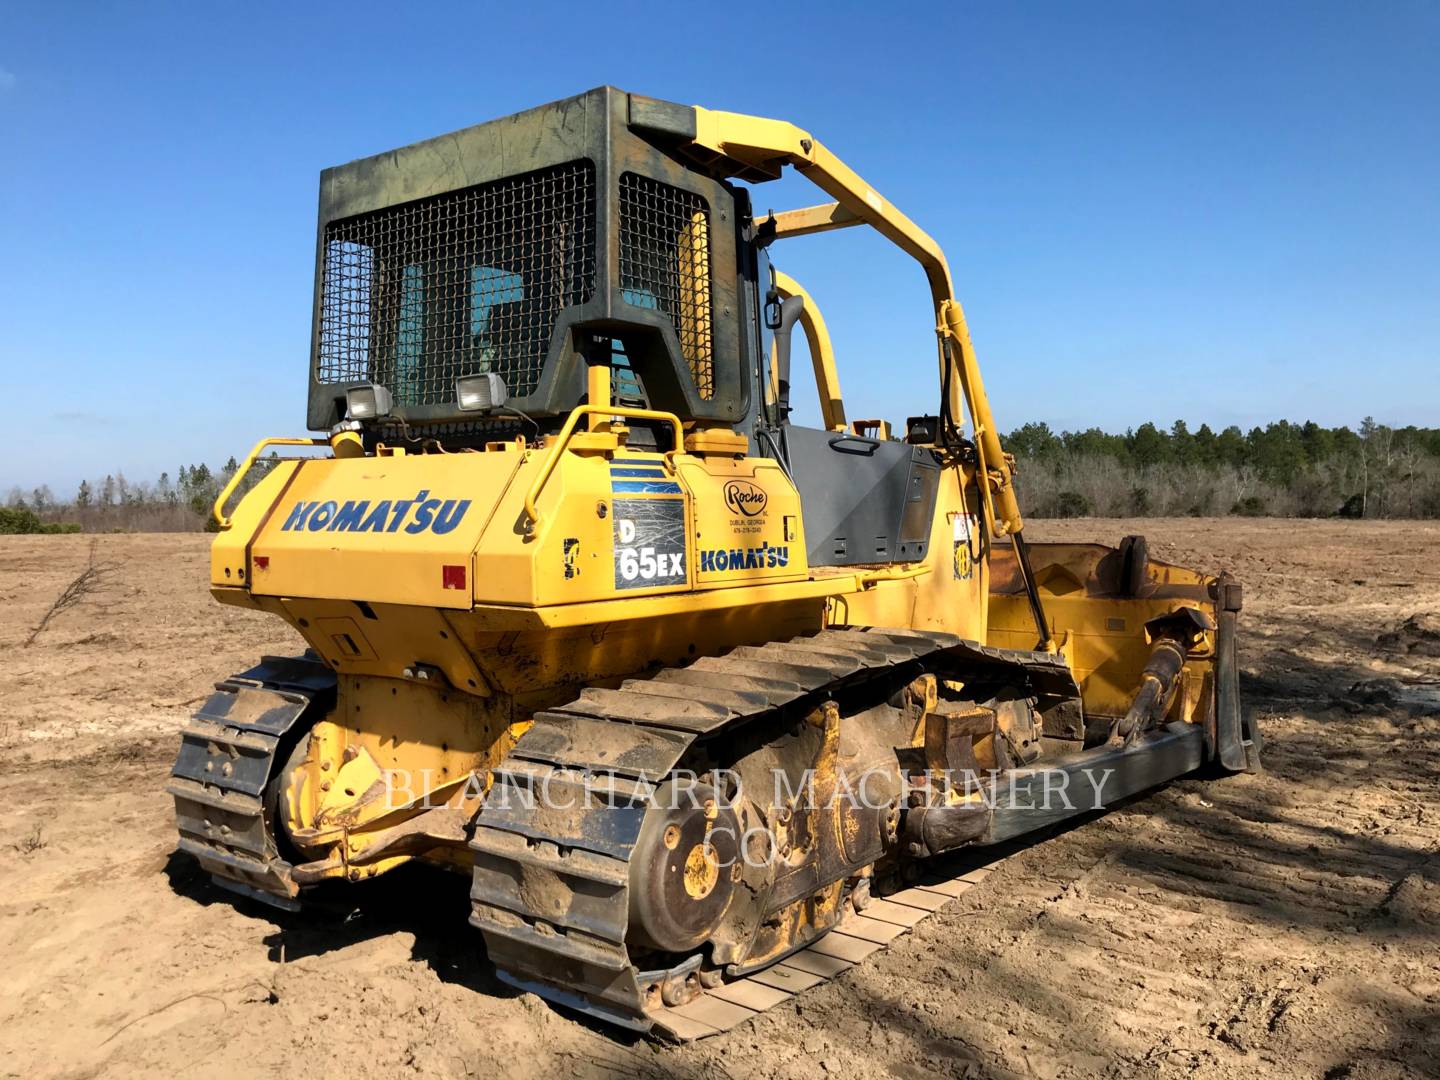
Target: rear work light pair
<point>473,393</point>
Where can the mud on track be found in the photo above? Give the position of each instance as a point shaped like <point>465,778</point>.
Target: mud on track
<point>1277,925</point>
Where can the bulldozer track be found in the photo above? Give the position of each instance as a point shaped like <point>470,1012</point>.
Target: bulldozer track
<point>857,937</point>
<point>551,886</point>
<point>228,754</point>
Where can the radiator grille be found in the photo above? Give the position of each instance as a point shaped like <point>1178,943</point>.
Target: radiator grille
<point>665,264</point>
<point>415,296</point>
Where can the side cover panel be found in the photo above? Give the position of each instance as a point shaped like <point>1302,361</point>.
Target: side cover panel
<point>396,530</point>
<point>630,526</point>
<point>448,530</point>
<point>747,521</point>
<point>866,501</point>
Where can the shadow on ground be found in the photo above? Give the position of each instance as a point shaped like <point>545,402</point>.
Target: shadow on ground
<point>430,904</point>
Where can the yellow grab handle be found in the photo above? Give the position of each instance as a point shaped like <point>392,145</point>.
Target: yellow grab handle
<point>553,458</point>
<point>219,508</point>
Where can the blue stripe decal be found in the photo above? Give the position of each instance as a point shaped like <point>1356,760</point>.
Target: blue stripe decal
<point>655,474</point>
<point>644,487</point>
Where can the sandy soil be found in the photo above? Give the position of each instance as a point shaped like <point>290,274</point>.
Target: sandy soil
<point>1274,925</point>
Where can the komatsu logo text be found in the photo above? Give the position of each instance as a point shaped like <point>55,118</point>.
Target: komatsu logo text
<point>764,557</point>
<point>415,515</point>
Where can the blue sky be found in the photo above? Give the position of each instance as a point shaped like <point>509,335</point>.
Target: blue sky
<point>1221,212</point>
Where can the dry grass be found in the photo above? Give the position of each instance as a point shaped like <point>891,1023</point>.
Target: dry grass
<point>32,841</point>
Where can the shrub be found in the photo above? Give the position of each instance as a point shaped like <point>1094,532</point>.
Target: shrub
<point>16,521</point>
<point>1354,507</point>
<point>1071,504</point>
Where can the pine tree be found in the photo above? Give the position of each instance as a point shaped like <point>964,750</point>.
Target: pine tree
<point>1230,446</point>
<point>1205,452</point>
<point>1147,445</point>
<point>1182,443</point>
<point>199,493</point>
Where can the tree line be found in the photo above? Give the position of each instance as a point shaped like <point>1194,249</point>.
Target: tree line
<point>1280,470</point>
<point>114,503</point>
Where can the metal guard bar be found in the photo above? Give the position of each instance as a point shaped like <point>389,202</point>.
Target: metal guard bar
<point>772,144</point>
<point>218,510</point>
<point>769,145</point>
<point>563,439</point>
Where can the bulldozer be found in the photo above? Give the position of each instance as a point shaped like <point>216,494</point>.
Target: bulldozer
<point>705,702</point>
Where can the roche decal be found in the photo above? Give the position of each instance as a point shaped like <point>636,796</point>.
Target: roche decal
<point>765,557</point>
<point>415,515</point>
<point>743,497</point>
<point>649,543</point>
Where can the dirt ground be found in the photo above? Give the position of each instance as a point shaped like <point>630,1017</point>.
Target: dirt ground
<point>1277,925</point>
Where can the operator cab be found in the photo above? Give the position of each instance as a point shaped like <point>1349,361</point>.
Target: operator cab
<point>469,286</point>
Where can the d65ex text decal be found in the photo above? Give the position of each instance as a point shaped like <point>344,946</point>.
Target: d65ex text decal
<point>649,543</point>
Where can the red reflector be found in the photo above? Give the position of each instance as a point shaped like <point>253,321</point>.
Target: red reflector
<point>452,577</point>
<point>262,562</point>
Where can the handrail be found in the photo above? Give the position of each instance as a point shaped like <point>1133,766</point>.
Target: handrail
<point>822,353</point>
<point>218,510</point>
<point>892,573</point>
<point>553,458</point>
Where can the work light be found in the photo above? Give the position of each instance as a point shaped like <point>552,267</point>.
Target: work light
<point>479,393</point>
<point>367,402</point>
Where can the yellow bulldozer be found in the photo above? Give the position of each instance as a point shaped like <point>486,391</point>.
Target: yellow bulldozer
<point>701,699</point>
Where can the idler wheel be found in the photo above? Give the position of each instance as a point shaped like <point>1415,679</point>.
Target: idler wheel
<point>683,870</point>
